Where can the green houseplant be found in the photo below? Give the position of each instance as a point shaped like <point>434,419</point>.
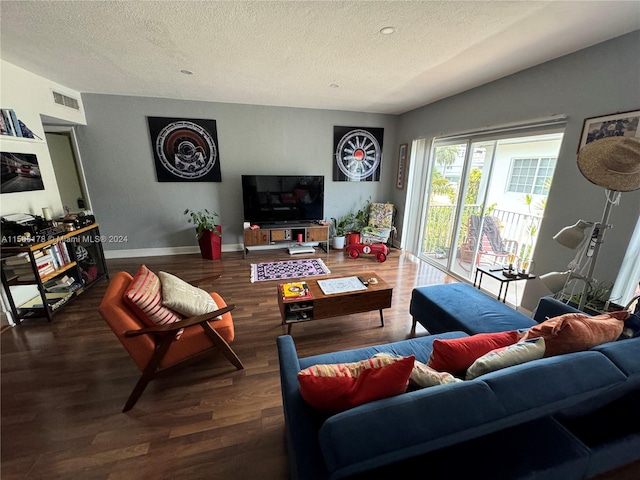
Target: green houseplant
<point>208,232</point>
<point>340,227</point>
<point>360,219</point>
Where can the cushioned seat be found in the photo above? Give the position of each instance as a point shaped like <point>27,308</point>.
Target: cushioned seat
<point>459,306</point>
<point>164,346</point>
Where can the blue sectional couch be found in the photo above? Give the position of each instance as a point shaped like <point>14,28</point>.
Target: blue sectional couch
<point>524,421</point>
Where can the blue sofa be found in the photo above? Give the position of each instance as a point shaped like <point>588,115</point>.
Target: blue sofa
<point>525,421</point>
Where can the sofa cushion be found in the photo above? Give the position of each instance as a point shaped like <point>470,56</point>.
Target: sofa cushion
<point>574,332</point>
<point>184,298</point>
<point>553,383</point>
<point>419,347</point>
<point>456,355</point>
<point>504,357</point>
<point>625,354</point>
<point>144,296</point>
<point>338,387</point>
<point>631,326</point>
<point>459,306</point>
<point>390,429</point>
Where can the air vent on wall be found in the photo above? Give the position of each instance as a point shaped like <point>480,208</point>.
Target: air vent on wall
<point>61,99</point>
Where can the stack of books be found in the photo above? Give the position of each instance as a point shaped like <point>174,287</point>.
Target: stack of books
<point>54,300</point>
<point>295,290</point>
<point>19,267</point>
<point>9,123</point>
<point>62,284</point>
<point>45,262</point>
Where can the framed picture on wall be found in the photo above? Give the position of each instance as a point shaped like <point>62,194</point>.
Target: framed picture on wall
<point>185,150</point>
<point>622,124</point>
<point>357,154</point>
<point>20,172</point>
<point>402,165</point>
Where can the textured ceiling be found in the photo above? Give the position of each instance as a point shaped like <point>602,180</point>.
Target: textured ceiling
<point>288,53</point>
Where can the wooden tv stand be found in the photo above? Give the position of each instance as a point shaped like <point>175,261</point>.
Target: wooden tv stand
<point>287,236</point>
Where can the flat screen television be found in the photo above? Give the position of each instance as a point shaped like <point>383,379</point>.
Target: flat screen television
<point>282,199</point>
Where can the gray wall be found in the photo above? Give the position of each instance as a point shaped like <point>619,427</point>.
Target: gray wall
<point>596,81</point>
<point>128,201</point>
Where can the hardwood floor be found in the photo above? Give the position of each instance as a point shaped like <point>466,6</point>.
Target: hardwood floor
<point>64,383</point>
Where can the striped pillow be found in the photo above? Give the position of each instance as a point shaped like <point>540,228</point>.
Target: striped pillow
<point>145,297</point>
<point>338,387</point>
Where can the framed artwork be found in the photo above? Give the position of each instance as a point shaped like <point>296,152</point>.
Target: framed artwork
<point>357,154</point>
<point>185,150</point>
<point>20,172</point>
<point>622,124</point>
<point>402,165</point>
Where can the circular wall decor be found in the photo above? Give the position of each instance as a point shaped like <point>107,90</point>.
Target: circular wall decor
<point>358,154</point>
<point>186,150</point>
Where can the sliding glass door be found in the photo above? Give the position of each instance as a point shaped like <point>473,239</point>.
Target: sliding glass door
<point>485,199</point>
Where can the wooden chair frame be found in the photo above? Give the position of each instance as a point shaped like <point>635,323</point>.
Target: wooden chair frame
<point>165,334</point>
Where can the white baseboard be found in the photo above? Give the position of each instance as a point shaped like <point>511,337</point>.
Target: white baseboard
<point>158,252</point>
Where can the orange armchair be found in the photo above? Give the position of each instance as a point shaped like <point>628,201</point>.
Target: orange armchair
<point>155,349</point>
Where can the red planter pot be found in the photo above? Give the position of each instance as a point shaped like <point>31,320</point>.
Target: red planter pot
<point>211,244</point>
<point>351,238</point>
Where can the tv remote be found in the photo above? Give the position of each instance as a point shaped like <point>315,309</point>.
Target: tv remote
<point>364,282</point>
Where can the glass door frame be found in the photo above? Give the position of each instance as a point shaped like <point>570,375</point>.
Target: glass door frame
<point>554,126</point>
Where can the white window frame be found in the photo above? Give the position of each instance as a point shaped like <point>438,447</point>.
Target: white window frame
<point>536,174</point>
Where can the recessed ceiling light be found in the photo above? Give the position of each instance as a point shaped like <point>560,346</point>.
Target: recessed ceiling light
<point>387,30</point>
<point>334,85</point>
<point>186,72</point>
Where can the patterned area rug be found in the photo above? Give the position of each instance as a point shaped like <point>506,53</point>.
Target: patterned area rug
<point>309,267</point>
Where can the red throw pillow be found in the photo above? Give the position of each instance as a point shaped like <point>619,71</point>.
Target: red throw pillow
<point>574,332</point>
<point>457,354</point>
<point>144,296</point>
<point>335,388</point>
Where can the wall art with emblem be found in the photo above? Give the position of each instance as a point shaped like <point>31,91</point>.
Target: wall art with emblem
<point>357,154</point>
<point>185,150</point>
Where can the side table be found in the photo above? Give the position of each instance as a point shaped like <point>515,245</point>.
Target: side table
<point>497,273</point>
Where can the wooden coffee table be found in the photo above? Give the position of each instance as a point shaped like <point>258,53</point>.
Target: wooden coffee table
<point>376,296</point>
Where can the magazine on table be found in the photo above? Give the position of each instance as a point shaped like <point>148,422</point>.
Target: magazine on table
<point>295,290</point>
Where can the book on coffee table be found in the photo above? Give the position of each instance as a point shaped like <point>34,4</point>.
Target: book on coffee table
<point>295,290</point>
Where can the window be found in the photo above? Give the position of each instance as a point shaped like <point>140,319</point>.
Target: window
<point>531,175</point>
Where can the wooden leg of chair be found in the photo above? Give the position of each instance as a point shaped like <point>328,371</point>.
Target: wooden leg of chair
<point>149,372</point>
<point>222,345</point>
<point>137,392</point>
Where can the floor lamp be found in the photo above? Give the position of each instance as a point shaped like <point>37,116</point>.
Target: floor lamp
<point>612,163</point>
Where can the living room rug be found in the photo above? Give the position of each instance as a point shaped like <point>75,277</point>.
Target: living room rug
<point>309,267</point>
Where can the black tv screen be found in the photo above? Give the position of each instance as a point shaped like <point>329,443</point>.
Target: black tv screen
<point>282,199</point>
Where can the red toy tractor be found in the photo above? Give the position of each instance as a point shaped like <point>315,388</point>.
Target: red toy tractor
<point>380,250</point>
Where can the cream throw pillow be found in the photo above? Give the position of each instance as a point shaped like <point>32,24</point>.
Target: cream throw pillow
<point>184,298</point>
<point>504,357</point>
<point>423,375</point>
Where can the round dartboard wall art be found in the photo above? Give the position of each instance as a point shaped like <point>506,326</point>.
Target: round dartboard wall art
<point>185,150</point>
<point>358,154</point>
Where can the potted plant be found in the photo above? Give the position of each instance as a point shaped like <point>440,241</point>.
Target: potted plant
<point>360,219</point>
<point>340,227</point>
<point>208,232</point>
